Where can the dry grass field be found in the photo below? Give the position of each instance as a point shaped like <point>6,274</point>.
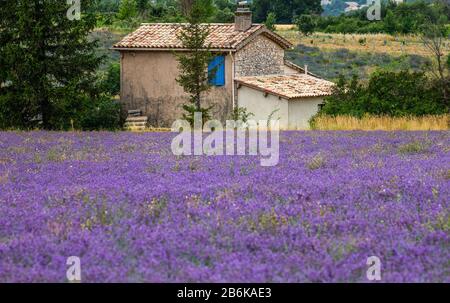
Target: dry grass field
<point>372,123</point>
<point>373,43</point>
<point>367,123</point>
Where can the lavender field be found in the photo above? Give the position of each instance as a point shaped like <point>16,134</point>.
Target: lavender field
<point>133,212</point>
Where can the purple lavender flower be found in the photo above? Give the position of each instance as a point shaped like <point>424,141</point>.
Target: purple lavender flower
<point>133,212</point>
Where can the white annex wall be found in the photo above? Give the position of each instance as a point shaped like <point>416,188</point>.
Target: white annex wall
<point>262,106</point>
<point>289,70</point>
<point>301,110</point>
<point>293,114</point>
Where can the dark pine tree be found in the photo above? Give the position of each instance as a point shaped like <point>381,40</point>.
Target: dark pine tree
<point>47,63</point>
<point>194,64</point>
<point>142,6</point>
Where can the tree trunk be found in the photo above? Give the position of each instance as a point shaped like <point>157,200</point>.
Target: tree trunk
<point>197,102</point>
<point>42,89</point>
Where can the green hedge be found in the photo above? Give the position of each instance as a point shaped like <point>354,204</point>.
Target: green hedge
<point>401,93</point>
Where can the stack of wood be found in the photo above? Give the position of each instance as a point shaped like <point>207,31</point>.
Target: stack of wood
<point>135,121</point>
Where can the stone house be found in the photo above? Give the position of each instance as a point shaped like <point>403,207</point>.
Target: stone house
<point>246,54</point>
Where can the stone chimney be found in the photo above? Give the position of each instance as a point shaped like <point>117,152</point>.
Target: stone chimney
<point>243,17</point>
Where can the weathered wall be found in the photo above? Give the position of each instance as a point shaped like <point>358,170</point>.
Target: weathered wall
<point>293,114</point>
<point>148,83</point>
<point>289,70</point>
<point>260,57</point>
<point>301,110</point>
<point>263,106</point>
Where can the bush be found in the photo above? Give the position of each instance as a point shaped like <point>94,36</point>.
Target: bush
<point>306,24</point>
<point>387,93</point>
<point>241,114</point>
<point>270,21</point>
<point>104,114</point>
<point>111,82</point>
<point>127,9</point>
<point>415,147</point>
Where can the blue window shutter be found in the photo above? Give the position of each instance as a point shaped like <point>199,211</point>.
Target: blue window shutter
<point>218,63</point>
<point>220,74</point>
<point>210,69</point>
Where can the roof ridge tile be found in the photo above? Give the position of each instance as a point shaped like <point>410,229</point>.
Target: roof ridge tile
<point>222,36</point>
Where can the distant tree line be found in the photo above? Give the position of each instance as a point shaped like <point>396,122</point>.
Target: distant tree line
<point>403,18</point>
<point>130,13</point>
<point>110,11</point>
<point>285,10</point>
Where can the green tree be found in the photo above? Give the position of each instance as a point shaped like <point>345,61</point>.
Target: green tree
<point>111,81</point>
<point>224,16</point>
<point>127,9</point>
<point>106,6</point>
<point>142,6</point>
<point>271,21</point>
<point>225,11</point>
<point>306,24</point>
<point>194,64</point>
<point>205,9</point>
<point>48,64</point>
<point>285,9</point>
<point>390,23</point>
<point>405,18</point>
<point>434,39</point>
<point>104,114</point>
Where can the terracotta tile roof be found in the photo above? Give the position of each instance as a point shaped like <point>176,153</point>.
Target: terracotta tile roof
<point>289,86</point>
<point>222,36</point>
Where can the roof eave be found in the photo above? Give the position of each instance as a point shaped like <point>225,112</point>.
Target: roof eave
<point>268,91</point>
<point>162,49</point>
<point>299,68</point>
<point>285,44</point>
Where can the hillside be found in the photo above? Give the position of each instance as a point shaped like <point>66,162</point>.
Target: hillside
<point>338,7</point>
<point>332,54</point>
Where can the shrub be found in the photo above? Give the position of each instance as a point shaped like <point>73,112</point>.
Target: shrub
<point>387,93</point>
<point>415,147</point>
<point>306,24</point>
<point>241,114</point>
<point>127,9</point>
<point>111,82</point>
<point>270,21</point>
<point>102,115</point>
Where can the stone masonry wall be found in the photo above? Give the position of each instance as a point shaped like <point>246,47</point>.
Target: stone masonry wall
<point>260,57</point>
